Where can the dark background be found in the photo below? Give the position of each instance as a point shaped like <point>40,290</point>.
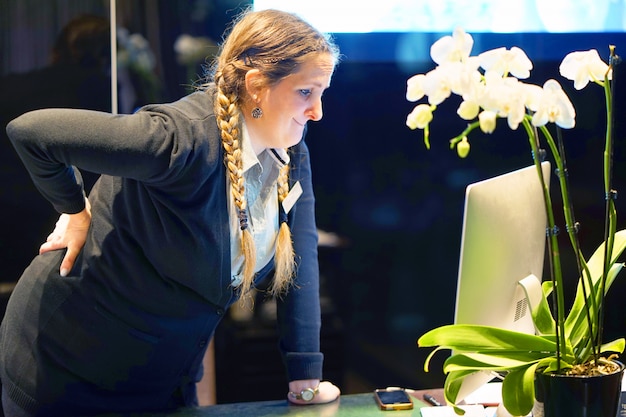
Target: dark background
<point>396,207</point>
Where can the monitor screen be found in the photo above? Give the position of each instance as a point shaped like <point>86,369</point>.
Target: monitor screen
<point>403,30</point>
<point>358,16</point>
<point>502,243</point>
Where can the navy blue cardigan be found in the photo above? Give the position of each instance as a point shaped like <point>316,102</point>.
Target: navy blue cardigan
<point>127,329</point>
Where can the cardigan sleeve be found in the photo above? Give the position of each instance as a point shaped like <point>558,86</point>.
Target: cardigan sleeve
<point>299,317</point>
<point>145,146</point>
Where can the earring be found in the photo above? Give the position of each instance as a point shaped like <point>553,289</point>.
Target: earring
<point>257,113</point>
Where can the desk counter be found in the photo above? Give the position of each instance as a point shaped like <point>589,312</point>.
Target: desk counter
<point>354,405</point>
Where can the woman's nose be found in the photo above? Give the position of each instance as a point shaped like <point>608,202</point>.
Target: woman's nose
<point>315,112</point>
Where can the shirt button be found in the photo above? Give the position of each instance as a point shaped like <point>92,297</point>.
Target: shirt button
<point>202,343</point>
<point>220,312</point>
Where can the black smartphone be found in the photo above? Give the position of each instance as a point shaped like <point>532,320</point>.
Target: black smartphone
<point>393,399</point>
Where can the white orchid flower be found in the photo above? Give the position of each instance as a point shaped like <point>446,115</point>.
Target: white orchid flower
<point>532,95</point>
<point>420,117</point>
<point>506,97</point>
<point>471,87</point>
<point>487,120</point>
<point>584,66</point>
<point>455,48</point>
<point>513,61</point>
<point>465,79</point>
<point>415,87</point>
<point>439,82</point>
<point>554,107</point>
<point>448,78</point>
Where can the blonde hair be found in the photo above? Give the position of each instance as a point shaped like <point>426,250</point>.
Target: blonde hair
<point>276,43</point>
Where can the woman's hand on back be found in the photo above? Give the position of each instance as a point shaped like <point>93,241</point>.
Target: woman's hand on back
<point>70,232</point>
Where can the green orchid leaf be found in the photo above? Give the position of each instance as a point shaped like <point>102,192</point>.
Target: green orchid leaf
<point>547,287</point>
<point>541,313</point>
<point>576,324</point>
<point>430,356</point>
<point>616,346</point>
<point>596,261</point>
<point>549,365</point>
<point>453,383</point>
<point>542,318</point>
<point>469,337</point>
<point>458,410</point>
<point>518,390</point>
<point>493,361</point>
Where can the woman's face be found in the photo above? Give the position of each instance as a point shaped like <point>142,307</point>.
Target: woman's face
<point>288,105</point>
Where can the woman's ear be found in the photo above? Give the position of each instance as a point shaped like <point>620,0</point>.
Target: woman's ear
<point>254,84</point>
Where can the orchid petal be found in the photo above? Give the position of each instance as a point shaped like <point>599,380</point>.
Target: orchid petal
<point>415,89</point>
<point>503,61</point>
<point>468,110</point>
<point>554,107</point>
<point>455,48</point>
<point>584,66</point>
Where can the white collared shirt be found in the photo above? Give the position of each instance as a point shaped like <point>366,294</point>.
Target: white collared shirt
<point>261,193</point>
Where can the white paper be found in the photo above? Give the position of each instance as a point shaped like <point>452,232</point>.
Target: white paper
<point>447,411</point>
<point>490,394</point>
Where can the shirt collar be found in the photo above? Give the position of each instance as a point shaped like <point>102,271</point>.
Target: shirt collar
<point>250,159</point>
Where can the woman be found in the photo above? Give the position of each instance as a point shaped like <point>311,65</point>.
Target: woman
<point>192,210</point>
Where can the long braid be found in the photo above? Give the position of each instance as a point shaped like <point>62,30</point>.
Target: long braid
<point>227,115</point>
<point>276,44</point>
<point>284,259</point>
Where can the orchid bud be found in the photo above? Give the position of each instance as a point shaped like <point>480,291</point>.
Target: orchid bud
<point>463,147</point>
<point>487,120</point>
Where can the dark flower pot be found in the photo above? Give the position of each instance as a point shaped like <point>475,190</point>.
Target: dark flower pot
<point>577,396</point>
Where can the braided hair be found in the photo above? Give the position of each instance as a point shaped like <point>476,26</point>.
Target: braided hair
<point>276,43</point>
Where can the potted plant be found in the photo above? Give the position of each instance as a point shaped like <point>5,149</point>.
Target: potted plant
<point>567,342</point>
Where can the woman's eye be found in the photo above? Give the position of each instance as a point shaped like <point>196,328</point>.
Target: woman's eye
<point>305,92</point>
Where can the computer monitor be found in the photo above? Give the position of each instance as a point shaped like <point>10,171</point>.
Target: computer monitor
<point>502,243</point>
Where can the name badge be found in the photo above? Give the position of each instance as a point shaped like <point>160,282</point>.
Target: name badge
<point>292,197</point>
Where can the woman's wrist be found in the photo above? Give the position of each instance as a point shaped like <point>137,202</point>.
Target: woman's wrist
<point>312,391</point>
<point>304,390</point>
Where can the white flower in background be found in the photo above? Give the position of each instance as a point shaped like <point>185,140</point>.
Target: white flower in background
<point>584,66</point>
<point>513,61</point>
<point>554,107</point>
<point>455,48</point>
<point>191,50</point>
<point>134,52</point>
